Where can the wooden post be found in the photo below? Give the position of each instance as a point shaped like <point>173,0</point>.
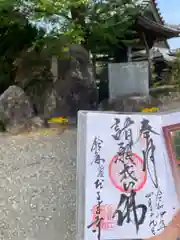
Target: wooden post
<point>148,56</point>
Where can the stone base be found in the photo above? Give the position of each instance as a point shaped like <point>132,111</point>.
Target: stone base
<point>132,103</point>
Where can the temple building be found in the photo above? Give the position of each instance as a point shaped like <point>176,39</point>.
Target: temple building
<point>153,35</point>
<point>153,32</point>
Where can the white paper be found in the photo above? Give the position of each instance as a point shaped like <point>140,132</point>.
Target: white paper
<point>127,173</point>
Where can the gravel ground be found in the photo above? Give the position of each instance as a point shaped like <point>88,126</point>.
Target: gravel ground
<point>37,186</point>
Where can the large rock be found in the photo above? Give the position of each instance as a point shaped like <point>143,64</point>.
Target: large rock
<point>16,111</point>
<point>15,106</point>
<point>49,103</point>
<point>77,89</point>
<point>29,125</point>
<point>35,77</point>
<point>64,92</point>
<point>74,88</point>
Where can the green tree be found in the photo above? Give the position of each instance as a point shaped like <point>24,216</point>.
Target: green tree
<point>16,34</point>
<point>100,26</point>
<point>97,24</point>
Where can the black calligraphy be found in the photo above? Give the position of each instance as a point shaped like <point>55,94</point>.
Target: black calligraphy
<point>127,210</point>
<point>123,134</point>
<point>160,210</point>
<point>157,213</point>
<point>118,130</point>
<point>95,149</point>
<point>130,211</point>
<point>149,152</point>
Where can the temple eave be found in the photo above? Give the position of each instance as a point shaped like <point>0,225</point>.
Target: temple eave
<point>161,31</point>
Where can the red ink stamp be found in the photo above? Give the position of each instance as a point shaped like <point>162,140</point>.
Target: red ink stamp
<point>127,174</point>
<point>106,213</point>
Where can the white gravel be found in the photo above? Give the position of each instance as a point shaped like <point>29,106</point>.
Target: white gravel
<point>37,186</point>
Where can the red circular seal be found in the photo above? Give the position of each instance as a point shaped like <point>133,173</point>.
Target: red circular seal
<point>129,173</point>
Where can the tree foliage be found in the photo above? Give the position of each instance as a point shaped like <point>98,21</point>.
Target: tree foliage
<point>16,34</point>
<point>53,25</point>
<point>95,23</point>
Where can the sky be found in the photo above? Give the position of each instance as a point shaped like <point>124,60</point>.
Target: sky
<point>170,10</point>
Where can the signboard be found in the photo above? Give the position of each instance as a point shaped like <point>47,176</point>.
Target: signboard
<point>125,184</point>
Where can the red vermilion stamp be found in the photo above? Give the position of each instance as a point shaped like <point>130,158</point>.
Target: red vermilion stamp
<point>127,174</point>
<point>106,213</point>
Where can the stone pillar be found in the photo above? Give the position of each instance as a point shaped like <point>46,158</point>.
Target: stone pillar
<point>54,68</point>
<point>130,78</point>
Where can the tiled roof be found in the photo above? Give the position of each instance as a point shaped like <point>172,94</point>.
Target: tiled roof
<point>160,29</point>
<point>175,26</point>
<point>155,4</point>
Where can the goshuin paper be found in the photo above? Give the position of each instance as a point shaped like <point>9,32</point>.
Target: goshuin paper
<point>125,188</point>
